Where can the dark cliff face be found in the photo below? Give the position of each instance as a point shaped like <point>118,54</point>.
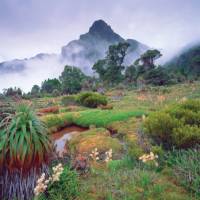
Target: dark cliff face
<point>83,52</point>
<point>103,31</point>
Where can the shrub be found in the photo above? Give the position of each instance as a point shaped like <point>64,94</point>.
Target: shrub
<point>92,100</point>
<point>67,188</point>
<point>157,76</point>
<point>160,127</point>
<point>193,105</point>
<point>178,125</point>
<point>186,136</point>
<point>186,168</point>
<point>82,96</point>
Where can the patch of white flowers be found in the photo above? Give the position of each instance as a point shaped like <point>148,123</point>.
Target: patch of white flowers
<point>149,157</point>
<point>57,171</point>
<point>42,182</point>
<point>41,185</point>
<point>108,155</point>
<point>95,155</point>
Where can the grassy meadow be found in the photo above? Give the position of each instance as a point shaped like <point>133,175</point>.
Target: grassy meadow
<point>127,151</point>
<point>124,176</point>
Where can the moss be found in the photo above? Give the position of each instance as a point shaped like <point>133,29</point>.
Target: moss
<point>99,138</point>
<point>123,128</point>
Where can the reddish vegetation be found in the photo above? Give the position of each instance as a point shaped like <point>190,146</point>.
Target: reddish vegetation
<point>53,109</point>
<point>73,108</point>
<point>141,97</point>
<point>161,98</point>
<point>106,107</point>
<point>80,163</point>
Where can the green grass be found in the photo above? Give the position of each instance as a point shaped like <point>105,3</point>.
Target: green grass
<point>129,184</point>
<point>102,118</point>
<point>99,118</point>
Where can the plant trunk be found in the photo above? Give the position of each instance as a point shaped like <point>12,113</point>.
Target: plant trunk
<point>19,186</point>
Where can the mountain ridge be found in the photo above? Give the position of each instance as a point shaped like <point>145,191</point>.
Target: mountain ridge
<point>83,52</point>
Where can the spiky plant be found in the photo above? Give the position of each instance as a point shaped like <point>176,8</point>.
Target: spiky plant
<point>24,151</point>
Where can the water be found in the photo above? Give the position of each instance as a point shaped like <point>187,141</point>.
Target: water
<point>61,137</point>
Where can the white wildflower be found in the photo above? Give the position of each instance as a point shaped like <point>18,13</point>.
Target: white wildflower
<point>108,155</point>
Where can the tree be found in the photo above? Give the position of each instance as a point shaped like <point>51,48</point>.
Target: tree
<point>13,92</point>
<point>90,83</point>
<point>131,74</point>
<point>110,69</point>
<point>147,72</point>
<point>100,69</point>
<point>49,85</point>
<point>187,64</point>
<point>35,90</point>
<point>71,80</point>
<point>158,76</point>
<point>148,58</point>
<point>196,65</point>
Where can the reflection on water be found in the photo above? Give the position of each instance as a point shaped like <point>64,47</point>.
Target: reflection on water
<point>61,137</point>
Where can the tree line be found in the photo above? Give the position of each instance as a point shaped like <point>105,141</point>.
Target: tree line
<point>110,71</point>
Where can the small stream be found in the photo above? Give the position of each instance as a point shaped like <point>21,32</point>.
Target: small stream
<point>61,137</point>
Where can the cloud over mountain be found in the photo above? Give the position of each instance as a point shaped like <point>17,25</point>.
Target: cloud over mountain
<point>82,53</point>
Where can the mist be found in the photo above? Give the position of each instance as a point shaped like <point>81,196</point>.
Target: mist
<point>29,27</point>
<point>36,72</point>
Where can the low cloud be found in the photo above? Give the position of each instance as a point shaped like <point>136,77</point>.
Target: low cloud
<point>36,71</point>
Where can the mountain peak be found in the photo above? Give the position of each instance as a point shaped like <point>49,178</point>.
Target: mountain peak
<point>99,26</point>
<point>101,29</point>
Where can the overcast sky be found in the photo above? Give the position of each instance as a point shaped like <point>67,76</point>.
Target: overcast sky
<point>28,27</point>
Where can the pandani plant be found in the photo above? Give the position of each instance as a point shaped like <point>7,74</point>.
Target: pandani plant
<point>24,153</point>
